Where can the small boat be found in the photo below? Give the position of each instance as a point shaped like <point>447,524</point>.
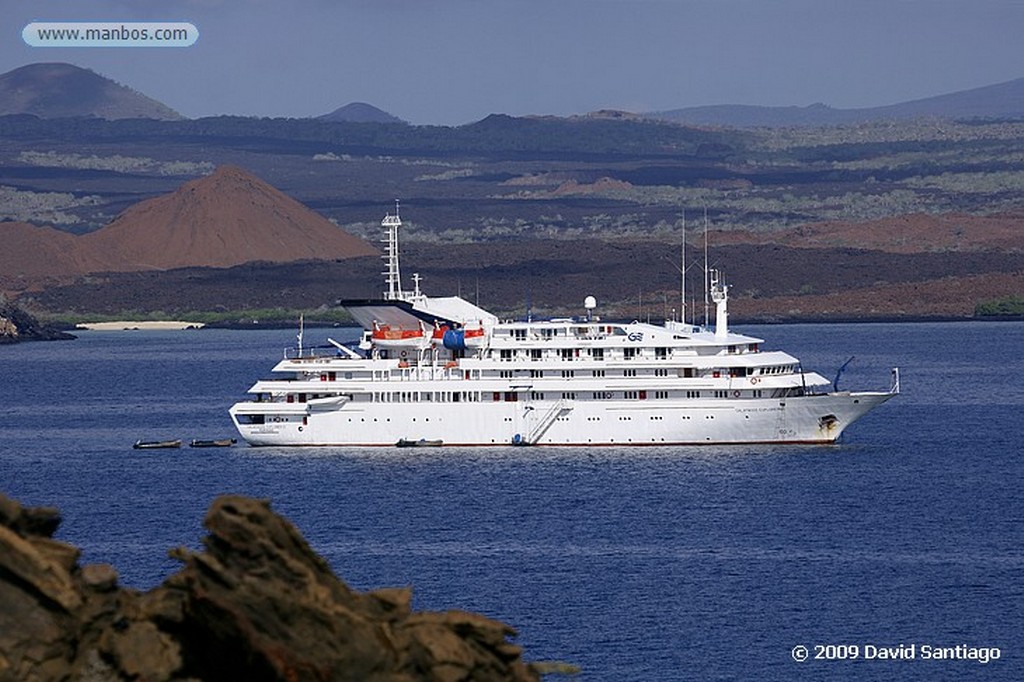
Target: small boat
<point>219,443</point>
<point>421,443</point>
<point>156,444</point>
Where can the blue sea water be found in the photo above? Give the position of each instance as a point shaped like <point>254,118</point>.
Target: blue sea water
<point>662,563</point>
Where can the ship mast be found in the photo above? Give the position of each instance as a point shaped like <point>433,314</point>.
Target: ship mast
<point>682,274</point>
<point>393,276</point>
<point>707,272</point>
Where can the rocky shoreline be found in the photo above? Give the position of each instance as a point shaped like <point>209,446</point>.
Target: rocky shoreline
<point>256,604</point>
<point>16,325</point>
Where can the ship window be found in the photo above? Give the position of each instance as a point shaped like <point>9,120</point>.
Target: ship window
<point>598,372</point>
<point>565,353</point>
<point>511,396</point>
<point>535,354</point>
<point>519,334</point>
<point>536,374</point>
<point>661,395</point>
<point>660,353</point>
<point>536,396</point>
<point>569,396</point>
<point>661,372</point>
<point>752,347</point>
<point>497,396</point>
<point>505,374</point>
<point>629,372</point>
<point>693,394</point>
<point>597,354</point>
<point>568,373</point>
<point>629,353</point>
<point>506,355</point>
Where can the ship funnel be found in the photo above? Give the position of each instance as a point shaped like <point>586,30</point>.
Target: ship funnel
<point>720,295</point>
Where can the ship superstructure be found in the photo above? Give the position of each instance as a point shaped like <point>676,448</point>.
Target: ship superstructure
<point>443,369</point>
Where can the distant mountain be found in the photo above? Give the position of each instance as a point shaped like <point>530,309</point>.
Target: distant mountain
<point>1003,100</point>
<point>360,112</point>
<point>58,90</point>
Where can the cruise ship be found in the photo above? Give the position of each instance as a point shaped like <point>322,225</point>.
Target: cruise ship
<point>441,370</point>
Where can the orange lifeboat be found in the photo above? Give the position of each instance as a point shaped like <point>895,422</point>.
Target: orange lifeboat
<point>385,336</point>
<point>475,336</point>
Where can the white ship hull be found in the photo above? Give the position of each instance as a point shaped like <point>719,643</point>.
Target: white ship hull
<point>805,419</point>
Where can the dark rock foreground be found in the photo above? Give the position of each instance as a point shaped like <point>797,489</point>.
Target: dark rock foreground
<point>256,604</point>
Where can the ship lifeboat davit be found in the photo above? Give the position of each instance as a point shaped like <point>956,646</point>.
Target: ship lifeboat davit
<point>385,336</point>
<point>437,338</point>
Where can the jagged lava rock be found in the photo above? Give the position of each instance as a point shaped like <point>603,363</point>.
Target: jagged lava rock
<point>256,604</point>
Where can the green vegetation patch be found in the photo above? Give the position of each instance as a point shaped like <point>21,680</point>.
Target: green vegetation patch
<point>1010,305</point>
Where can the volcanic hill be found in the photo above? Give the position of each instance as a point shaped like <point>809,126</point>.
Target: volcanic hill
<point>59,90</point>
<point>33,253</point>
<point>225,219</point>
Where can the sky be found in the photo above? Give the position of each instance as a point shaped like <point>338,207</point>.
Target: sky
<point>451,62</point>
